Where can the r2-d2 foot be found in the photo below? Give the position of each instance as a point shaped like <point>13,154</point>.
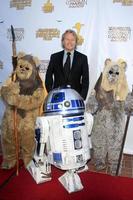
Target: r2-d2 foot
<point>71,181</point>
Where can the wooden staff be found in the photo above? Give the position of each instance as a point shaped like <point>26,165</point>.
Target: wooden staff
<point>124,139</point>
<point>15,108</point>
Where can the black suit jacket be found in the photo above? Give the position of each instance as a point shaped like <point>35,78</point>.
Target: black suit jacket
<point>79,74</point>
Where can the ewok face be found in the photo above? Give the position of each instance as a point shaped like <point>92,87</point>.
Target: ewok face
<point>23,69</point>
<point>113,74</point>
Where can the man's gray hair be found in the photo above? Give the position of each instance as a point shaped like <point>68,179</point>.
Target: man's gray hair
<point>72,32</point>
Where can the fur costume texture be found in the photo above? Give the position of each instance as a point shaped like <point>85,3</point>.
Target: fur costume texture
<point>25,94</point>
<point>108,103</point>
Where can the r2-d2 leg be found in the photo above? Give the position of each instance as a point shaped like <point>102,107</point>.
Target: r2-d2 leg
<point>39,167</point>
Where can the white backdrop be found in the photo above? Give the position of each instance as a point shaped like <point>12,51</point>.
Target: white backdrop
<point>105,28</point>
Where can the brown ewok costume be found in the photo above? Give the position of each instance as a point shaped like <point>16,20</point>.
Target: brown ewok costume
<point>107,103</point>
<point>26,95</point>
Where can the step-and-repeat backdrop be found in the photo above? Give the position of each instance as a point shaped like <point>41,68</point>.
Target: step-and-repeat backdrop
<point>104,28</point>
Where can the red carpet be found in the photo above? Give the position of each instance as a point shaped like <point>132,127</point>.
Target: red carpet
<point>96,187</point>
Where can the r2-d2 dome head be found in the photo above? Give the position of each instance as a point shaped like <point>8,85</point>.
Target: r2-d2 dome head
<point>64,101</point>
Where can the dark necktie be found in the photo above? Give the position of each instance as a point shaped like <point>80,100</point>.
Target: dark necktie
<point>67,65</point>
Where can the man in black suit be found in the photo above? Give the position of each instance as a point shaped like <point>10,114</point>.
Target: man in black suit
<point>68,67</point>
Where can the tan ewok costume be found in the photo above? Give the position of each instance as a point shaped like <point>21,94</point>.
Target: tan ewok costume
<point>107,103</point>
<point>25,95</point>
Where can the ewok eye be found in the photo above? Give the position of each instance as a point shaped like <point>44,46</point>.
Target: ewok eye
<point>110,72</point>
<point>27,68</point>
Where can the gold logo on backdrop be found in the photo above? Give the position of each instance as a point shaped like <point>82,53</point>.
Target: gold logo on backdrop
<point>1,64</point>
<point>76,3</point>
<point>119,34</point>
<point>124,2</point>
<point>20,4</point>
<point>19,34</point>
<point>78,28</point>
<point>48,7</point>
<point>43,66</point>
<point>48,33</point>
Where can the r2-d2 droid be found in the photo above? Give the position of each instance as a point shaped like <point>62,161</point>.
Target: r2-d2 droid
<point>64,132</point>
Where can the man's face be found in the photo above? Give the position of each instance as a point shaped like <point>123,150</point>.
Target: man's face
<point>69,42</point>
<point>113,74</point>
